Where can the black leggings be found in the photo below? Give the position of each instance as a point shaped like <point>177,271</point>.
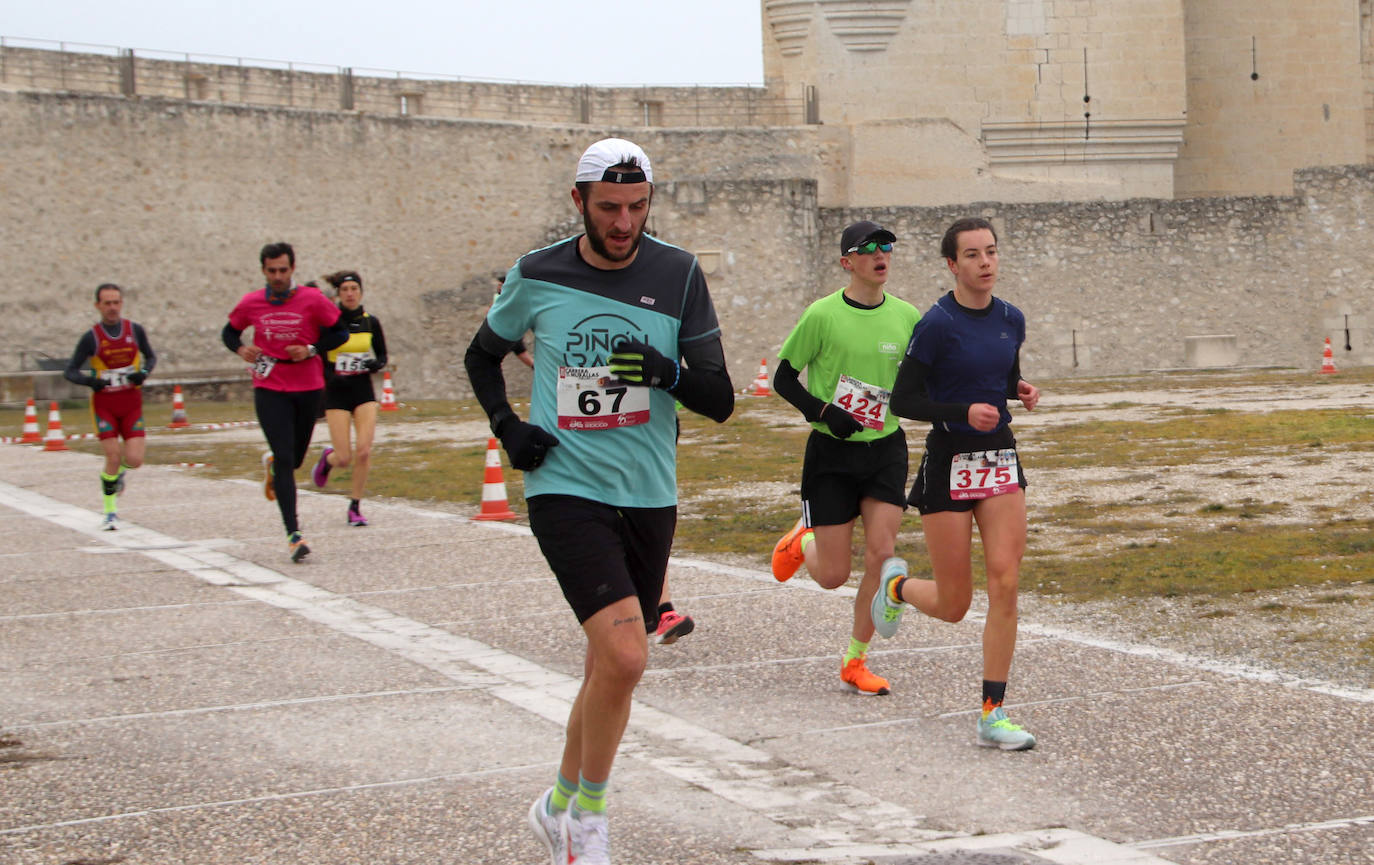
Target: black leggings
<point>287,419</point>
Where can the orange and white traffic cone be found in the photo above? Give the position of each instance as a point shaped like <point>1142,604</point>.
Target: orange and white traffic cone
<point>30,436</point>
<point>55,441</point>
<point>179,420</point>
<point>494,504</point>
<point>388,395</point>
<point>1328,359</point>
<point>760,386</point>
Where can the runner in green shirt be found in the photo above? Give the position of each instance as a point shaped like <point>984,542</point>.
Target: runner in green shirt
<point>850,344</point>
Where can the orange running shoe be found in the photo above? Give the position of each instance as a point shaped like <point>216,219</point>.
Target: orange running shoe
<point>855,674</point>
<point>787,555</point>
<point>267,488</point>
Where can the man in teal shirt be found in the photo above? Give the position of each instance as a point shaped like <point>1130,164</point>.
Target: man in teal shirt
<point>623,329</point>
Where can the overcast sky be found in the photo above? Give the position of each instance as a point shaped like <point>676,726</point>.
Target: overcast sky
<point>553,41</point>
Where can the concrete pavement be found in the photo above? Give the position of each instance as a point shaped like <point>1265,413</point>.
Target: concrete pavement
<point>178,691</point>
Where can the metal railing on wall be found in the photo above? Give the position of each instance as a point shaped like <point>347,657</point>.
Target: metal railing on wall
<point>35,64</point>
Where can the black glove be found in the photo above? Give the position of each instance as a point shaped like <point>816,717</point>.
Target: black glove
<point>525,443</point>
<point>842,424</point>
<point>374,364</point>
<point>137,378</point>
<point>636,362</point>
<point>97,383</point>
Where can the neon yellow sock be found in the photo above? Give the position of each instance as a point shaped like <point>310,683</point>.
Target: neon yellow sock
<point>856,650</point>
<point>107,489</point>
<point>563,792</point>
<point>591,796</point>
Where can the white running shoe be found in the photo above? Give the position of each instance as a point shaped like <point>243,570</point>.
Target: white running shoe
<point>110,523</point>
<point>590,838</point>
<point>887,613</point>
<point>997,731</point>
<point>550,829</point>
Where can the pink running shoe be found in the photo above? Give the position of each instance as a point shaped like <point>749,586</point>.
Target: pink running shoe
<point>672,625</point>
<point>321,473</point>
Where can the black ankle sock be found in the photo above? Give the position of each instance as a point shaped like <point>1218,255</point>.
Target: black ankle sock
<point>994,692</point>
<point>354,504</point>
<point>665,607</point>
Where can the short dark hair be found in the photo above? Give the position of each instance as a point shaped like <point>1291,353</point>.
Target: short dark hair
<point>105,285</point>
<point>339,277</point>
<point>277,250</point>
<point>949,244</point>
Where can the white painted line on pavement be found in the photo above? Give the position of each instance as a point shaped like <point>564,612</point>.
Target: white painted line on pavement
<point>1232,669</point>
<point>112,611</point>
<point>812,659</point>
<point>232,707</point>
<point>1235,834</point>
<point>1063,846</point>
<point>894,722</point>
<point>275,797</point>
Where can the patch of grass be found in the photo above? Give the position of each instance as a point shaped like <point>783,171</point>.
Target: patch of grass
<point>1211,563</point>
<point>1198,435</point>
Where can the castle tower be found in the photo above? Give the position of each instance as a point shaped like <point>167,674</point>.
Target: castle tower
<point>1022,100</point>
<point>1273,86</point>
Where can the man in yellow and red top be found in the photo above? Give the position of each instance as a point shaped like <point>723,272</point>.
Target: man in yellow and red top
<point>120,360</point>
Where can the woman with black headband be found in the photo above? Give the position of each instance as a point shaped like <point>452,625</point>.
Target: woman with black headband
<point>348,392</point>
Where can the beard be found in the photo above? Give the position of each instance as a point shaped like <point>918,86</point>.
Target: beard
<point>598,241</point>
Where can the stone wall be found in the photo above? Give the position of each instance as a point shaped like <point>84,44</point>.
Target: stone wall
<point>324,88</point>
<point>173,199</point>
<point>1115,287</point>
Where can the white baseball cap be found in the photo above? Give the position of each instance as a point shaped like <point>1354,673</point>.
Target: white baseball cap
<point>598,160</point>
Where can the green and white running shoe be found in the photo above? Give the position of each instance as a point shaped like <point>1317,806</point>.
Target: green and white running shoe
<point>887,614</point>
<point>997,731</point>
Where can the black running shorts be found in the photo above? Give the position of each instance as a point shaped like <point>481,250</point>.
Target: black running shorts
<point>930,491</point>
<point>602,554</point>
<point>838,474</point>
<point>347,392</point>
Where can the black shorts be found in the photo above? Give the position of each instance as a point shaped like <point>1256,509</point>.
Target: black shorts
<point>347,392</point>
<point>930,491</point>
<point>602,554</point>
<point>838,474</point>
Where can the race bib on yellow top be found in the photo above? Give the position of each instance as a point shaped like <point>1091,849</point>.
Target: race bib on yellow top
<point>865,402</point>
<point>983,474</point>
<point>590,398</point>
<point>262,367</point>
<point>352,363</point>
<point>117,379</point>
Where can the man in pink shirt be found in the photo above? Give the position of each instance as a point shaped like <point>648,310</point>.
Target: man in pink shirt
<point>292,325</point>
